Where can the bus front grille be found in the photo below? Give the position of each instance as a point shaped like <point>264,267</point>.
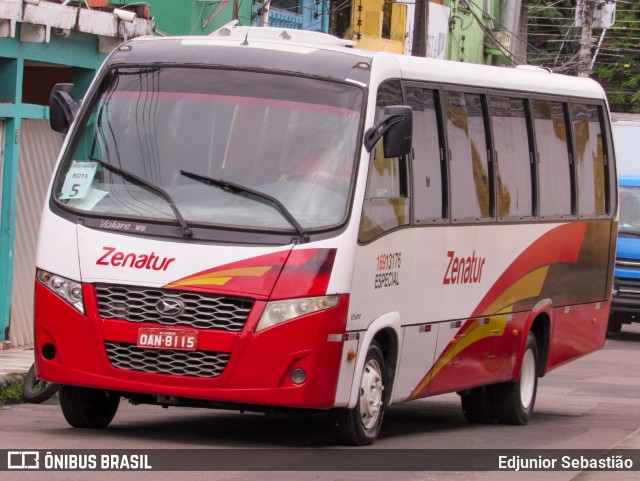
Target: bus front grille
<point>628,263</point>
<point>130,357</point>
<point>198,310</point>
<point>626,288</point>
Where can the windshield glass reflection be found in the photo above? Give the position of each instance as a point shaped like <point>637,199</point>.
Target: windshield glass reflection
<point>629,221</point>
<point>290,138</point>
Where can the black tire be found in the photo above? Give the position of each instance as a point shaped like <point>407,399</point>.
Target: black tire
<point>476,405</point>
<point>513,402</point>
<point>361,425</point>
<point>35,390</point>
<point>615,324</point>
<point>85,407</point>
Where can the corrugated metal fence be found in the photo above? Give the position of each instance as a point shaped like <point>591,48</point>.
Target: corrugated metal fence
<point>39,148</point>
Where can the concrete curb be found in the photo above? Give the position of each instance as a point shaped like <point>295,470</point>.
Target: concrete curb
<point>14,364</point>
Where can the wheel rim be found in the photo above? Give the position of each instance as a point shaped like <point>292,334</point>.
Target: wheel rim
<point>527,378</point>
<point>371,388</point>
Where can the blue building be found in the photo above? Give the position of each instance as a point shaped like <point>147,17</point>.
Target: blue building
<point>310,15</point>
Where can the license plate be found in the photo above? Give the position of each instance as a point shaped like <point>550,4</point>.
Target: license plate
<point>167,339</point>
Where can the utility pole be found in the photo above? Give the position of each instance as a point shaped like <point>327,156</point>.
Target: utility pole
<point>236,10</point>
<point>420,40</point>
<point>586,18</point>
<point>264,17</point>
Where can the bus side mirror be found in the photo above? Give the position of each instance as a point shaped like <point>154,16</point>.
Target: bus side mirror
<point>62,108</point>
<point>396,128</point>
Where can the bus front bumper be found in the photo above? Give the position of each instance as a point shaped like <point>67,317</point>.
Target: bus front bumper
<point>255,368</point>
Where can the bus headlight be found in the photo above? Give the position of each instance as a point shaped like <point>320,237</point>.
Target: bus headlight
<point>66,289</point>
<point>280,311</point>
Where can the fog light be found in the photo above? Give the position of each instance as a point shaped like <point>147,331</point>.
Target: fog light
<point>49,351</point>
<point>298,376</point>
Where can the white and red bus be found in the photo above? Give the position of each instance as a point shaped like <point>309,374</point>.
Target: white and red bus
<point>249,222</point>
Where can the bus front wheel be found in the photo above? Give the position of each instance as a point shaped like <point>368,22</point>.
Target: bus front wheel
<point>361,425</point>
<point>85,407</point>
<point>512,402</point>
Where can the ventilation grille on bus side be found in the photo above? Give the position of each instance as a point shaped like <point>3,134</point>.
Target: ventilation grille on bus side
<point>201,311</point>
<point>159,361</point>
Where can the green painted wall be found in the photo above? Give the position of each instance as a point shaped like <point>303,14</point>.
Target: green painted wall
<point>78,49</point>
<point>184,17</point>
<point>467,41</point>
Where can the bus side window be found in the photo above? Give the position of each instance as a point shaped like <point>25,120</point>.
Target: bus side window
<point>428,169</point>
<point>513,160</point>
<point>552,145</point>
<point>590,161</point>
<point>469,167</point>
<point>386,203</point>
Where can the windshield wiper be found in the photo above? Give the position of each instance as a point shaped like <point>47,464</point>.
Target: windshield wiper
<point>631,233</point>
<point>186,231</point>
<point>239,189</point>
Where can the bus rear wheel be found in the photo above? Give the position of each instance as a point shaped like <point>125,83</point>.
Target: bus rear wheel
<point>85,407</point>
<point>361,425</point>
<point>512,402</point>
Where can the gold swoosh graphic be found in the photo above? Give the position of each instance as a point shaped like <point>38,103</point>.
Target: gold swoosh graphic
<point>526,287</point>
<point>222,277</point>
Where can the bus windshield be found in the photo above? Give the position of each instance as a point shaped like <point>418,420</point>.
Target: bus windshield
<point>289,138</point>
<point>629,223</point>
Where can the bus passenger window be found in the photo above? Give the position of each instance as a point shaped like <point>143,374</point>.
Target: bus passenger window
<point>386,203</point>
<point>514,197</point>
<point>427,169</point>
<point>553,150</point>
<point>470,182</point>
<point>590,164</point>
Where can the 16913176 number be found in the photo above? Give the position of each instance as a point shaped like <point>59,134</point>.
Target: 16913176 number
<point>388,270</point>
<point>388,261</point>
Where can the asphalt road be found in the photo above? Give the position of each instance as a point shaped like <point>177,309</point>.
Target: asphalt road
<point>591,403</point>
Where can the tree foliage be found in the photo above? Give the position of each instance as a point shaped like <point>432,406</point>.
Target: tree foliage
<point>617,66</point>
<point>554,42</point>
<point>553,38</point>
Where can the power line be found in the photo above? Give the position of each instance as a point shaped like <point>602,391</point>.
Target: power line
<point>505,51</point>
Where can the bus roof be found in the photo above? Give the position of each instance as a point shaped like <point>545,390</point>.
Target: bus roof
<point>629,180</point>
<point>281,34</point>
<point>624,118</point>
<point>525,78</point>
<point>283,56</point>
<point>324,55</point>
